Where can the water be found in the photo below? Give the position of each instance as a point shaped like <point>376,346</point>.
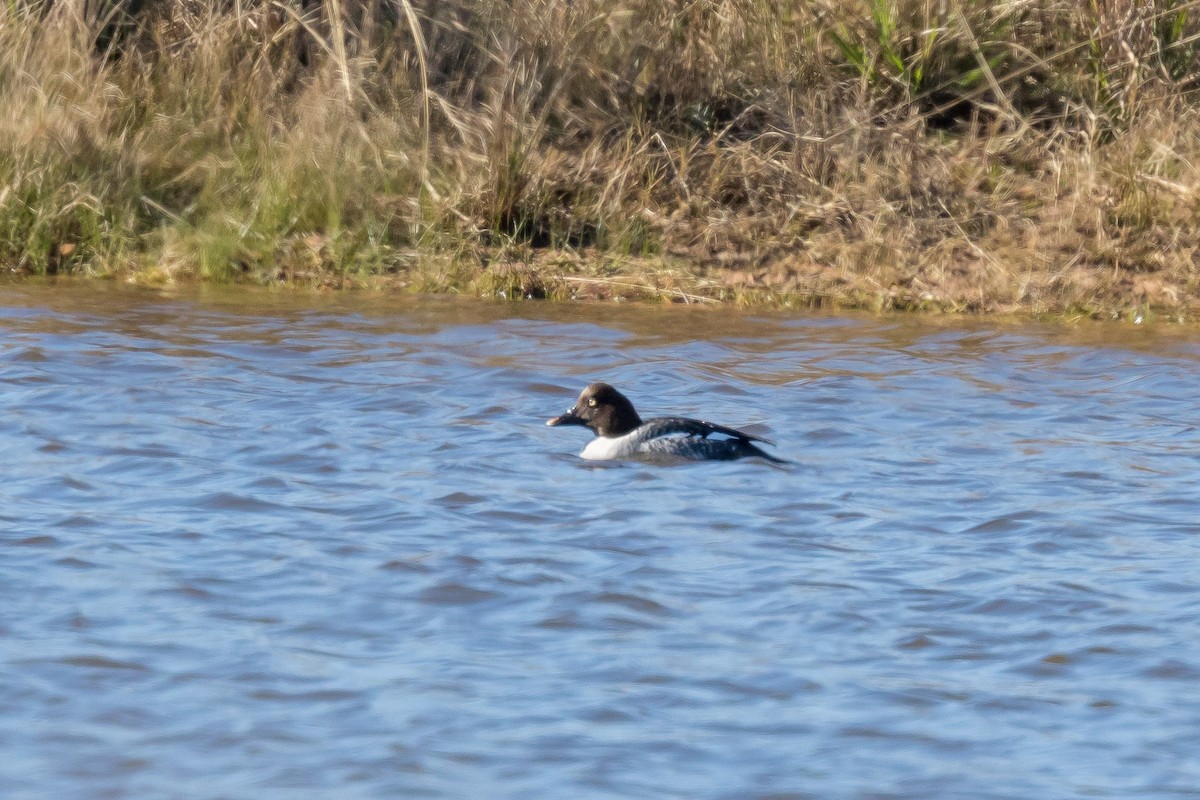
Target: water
<point>285,547</point>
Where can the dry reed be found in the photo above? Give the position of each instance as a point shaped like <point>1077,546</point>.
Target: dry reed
<point>1032,155</point>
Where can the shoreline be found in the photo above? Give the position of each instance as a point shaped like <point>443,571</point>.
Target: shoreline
<point>574,281</point>
<point>565,276</point>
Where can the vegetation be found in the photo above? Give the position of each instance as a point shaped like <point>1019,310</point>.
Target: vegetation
<point>1026,155</point>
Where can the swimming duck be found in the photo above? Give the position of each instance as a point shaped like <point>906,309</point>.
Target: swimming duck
<point>621,433</point>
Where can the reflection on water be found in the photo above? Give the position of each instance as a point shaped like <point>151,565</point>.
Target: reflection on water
<point>325,547</point>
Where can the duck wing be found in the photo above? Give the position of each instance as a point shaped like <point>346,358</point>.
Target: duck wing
<point>682,426</point>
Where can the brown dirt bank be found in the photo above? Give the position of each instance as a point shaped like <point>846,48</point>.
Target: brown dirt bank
<point>976,284</point>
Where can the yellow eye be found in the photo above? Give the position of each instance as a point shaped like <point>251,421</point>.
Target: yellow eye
<point>592,402</point>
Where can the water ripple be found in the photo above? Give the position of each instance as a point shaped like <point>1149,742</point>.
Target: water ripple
<point>324,546</point>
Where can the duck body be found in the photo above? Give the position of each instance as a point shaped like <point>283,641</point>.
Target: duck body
<point>622,434</point>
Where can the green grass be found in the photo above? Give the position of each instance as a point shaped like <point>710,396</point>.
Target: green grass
<point>953,156</point>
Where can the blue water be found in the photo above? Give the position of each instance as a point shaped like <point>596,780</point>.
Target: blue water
<point>290,546</point>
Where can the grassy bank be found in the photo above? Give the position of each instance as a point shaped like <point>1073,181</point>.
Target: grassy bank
<point>963,155</point>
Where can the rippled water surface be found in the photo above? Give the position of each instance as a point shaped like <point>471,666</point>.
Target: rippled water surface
<point>286,547</point>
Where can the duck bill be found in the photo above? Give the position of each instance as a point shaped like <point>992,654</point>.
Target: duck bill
<point>569,418</point>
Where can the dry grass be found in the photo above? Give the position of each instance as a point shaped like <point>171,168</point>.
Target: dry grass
<point>1032,155</point>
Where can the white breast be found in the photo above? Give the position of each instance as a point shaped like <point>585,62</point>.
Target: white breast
<point>604,449</point>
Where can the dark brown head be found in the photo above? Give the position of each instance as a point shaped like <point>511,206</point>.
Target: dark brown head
<point>602,409</point>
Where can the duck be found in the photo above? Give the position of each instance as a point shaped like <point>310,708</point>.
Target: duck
<point>622,434</point>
